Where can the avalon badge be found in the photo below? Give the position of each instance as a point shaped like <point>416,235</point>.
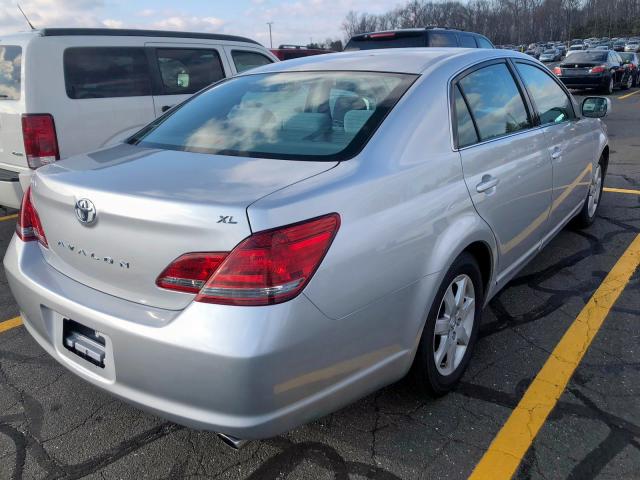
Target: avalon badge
<point>85,211</point>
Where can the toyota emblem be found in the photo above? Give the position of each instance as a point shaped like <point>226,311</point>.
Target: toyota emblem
<point>85,211</point>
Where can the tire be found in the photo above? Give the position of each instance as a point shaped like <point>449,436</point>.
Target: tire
<point>608,88</point>
<point>594,197</point>
<point>438,378</point>
<point>635,80</point>
<point>628,83</point>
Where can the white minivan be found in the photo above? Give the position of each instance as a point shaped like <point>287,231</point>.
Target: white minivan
<point>65,91</point>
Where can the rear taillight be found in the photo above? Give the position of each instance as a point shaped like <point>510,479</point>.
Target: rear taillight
<point>189,272</point>
<point>557,71</point>
<point>266,268</point>
<point>29,227</point>
<point>40,141</point>
<point>598,69</point>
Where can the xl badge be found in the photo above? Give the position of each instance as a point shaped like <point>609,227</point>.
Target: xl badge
<point>85,211</point>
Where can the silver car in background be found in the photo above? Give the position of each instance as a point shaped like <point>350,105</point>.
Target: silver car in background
<point>292,239</point>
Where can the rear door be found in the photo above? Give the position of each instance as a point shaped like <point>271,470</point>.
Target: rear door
<point>108,93</point>
<point>505,161</point>
<point>182,69</point>
<point>571,141</point>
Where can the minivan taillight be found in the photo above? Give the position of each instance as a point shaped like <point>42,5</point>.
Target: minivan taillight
<point>29,227</point>
<point>40,140</point>
<point>266,268</point>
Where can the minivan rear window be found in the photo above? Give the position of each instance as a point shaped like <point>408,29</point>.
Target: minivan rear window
<point>106,72</point>
<point>291,115</point>
<point>10,72</point>
<point>387,40</point>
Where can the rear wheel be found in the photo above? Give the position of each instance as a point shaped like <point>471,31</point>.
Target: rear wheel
<point>608,88</point>
<point>451,329</point>
<point>590,207</point>
<point>628,83</point>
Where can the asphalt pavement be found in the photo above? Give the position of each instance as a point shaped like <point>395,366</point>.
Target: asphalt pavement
<point>54,425</point>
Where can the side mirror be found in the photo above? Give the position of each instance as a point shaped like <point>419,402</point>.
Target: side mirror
<point>596,107</point>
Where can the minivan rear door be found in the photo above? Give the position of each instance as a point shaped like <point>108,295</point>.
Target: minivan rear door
<point>181,69</point>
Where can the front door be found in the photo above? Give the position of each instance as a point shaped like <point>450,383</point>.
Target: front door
<point>182,69</point>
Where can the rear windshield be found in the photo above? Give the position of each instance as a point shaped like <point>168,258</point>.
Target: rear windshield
<point>292,115</point>
<point>386,40</point>
<point>589,57</point>
<point>10,72</point>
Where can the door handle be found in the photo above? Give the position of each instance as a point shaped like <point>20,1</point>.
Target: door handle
<point>488,182</point>
<point>556,153</point>
<point>165,108</point>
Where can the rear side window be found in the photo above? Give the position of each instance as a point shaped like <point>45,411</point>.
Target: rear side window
<point>106,72</point>
<point>187,70</point>
<point>495,101</point>
<point>466,41</point>
<point>10,72</point>
<point>483,42</point>
<point>442,39</point>
<point>551,101</point>
<point>466,131</point>
<point>245,60</point>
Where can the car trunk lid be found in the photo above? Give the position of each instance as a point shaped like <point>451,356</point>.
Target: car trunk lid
<point>151,207</point>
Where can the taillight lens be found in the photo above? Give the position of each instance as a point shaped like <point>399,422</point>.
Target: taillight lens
<point>557,71</point>
<point>189,272</point>
<point>29,227</point>
<point>266,268</point>
<point>40,140</point>
<point>598,69</point>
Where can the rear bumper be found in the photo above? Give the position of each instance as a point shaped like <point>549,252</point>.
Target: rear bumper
<point>10,189</point>
<point>251,372</point>
<point>584,81</point>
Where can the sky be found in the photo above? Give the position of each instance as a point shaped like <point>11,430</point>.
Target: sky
<point>294,21</point>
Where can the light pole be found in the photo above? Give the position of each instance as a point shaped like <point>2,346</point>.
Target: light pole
<point>270,38</point>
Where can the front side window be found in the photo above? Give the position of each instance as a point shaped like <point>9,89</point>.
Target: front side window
<point>10,72</point>
<point>292,115</point>
<point>552,103</point>
<point>495,101</point>
<point>245,60</point>
<point>466,131</point>
<point>442,39</point>
<point>104,72</point>
<point>187,70</point>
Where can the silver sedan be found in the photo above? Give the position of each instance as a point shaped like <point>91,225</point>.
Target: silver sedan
<point>292,239</point>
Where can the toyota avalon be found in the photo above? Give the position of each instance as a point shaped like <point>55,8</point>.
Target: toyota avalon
<point>292,239</point>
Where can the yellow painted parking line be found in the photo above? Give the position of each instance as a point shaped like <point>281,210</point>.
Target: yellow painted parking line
<point>9,324</point>
<point>628,95</point>
<point>8,217</point>
<point>622,190</point>
<point>513,441</point>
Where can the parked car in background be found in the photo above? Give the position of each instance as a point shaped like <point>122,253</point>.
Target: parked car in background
<point>630,61</point>
<point>550,55</point>
<point>601,47</point>
<point>300,300</point>
<point>534,52</point>
<point>632,47</point>
<point>72,90</point>
<point>619,46</point>
<point>603,70</point>
<point>288,52</point>
<point>418,37</point>
<point>576,47</point>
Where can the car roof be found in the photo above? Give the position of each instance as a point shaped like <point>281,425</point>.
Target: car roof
<point>120,32</point>
<point>398,60</point>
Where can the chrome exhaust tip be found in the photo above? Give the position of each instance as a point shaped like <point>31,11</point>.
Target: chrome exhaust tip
<point>231,441</point>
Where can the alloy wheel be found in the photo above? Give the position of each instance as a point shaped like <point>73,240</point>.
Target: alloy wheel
<point>454,324</point>
<point>595,189</point>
